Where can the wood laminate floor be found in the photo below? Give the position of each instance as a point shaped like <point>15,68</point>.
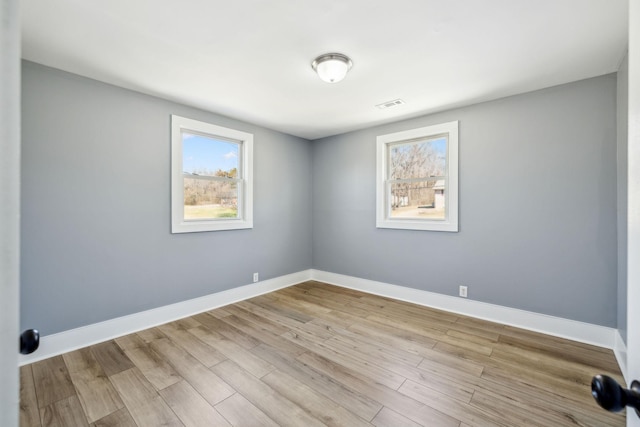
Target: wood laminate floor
<point>314,355</point>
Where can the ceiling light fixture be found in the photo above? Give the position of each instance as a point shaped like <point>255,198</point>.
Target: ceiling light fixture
<point>332,67</point>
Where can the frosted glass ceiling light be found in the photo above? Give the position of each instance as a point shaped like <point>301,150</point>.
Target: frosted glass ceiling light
<point>332,67</point>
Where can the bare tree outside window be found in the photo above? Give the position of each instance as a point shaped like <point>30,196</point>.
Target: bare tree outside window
<point>417,178</point>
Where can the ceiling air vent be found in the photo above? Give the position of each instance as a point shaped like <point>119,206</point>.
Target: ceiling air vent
<point>390,104</point>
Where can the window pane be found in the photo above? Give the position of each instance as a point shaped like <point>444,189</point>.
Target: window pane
<point>424,199</point>
<point>418,159</point>
<point>210,199</point>
<point>202,155</point>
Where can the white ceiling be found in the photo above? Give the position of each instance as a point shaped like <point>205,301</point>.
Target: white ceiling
<point>251,59</point>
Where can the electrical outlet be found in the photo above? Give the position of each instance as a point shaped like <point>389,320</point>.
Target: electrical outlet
<point>255,277</point>
<point>463,291</point>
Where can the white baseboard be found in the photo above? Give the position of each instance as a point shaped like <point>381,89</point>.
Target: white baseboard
<point>577,331</point>
<point>55,344</point>
<point>620,350</point>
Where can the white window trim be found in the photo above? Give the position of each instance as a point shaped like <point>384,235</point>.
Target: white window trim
<point>245,203</point>
<point>450,223</point>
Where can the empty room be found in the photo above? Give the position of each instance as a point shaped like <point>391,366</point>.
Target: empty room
<point>339,213</point>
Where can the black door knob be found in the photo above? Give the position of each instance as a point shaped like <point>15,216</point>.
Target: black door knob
<point>29,341</point>
<point>612,396</point>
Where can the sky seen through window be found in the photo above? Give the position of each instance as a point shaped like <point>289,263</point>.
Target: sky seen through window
<point>201,153</point>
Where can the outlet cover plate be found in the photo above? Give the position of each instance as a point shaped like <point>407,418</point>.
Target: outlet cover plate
<point>463,291</point>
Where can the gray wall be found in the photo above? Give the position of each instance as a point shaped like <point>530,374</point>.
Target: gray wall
<point>96,241</point>
<point>622,142</point>
<point>537,206</point>
<point>538,225</point>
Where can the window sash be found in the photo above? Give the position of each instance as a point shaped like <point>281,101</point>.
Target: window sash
<point>215,137</point>
<point>415,141</point>
<point>210,178</point>
<point>389,197</point>
<point>240,202</point>
<point>239,180</point>
<point>410,180</point>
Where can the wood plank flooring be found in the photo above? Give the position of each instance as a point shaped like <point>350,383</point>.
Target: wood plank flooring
<point>319,355</point>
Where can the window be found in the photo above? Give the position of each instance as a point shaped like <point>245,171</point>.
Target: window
<point>211,177</point>
<point>417,179</point>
